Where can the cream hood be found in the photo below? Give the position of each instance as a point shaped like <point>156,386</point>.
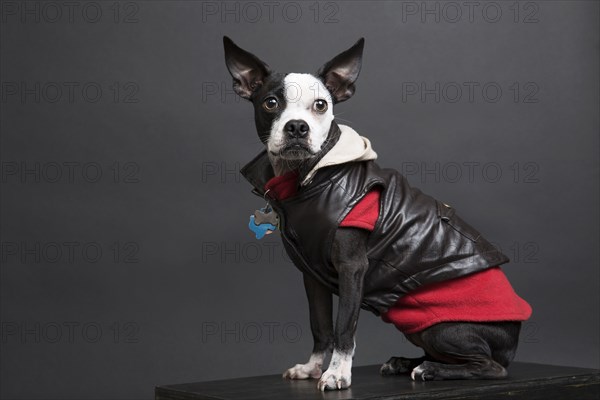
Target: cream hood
<point>349,147</point>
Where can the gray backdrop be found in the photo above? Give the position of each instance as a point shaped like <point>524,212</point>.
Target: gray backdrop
<point>126,258</point>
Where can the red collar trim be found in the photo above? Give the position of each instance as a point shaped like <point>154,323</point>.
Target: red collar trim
<point>283,186</point>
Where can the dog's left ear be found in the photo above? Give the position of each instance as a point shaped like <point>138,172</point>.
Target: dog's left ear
<point>340,73</point>
<point>247,70</point>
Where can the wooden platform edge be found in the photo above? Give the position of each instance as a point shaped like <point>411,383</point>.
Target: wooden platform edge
<point>577,387</point>
<point>164,393</point>
<point>584,386</point>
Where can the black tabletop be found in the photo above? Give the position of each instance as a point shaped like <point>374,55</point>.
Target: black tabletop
<point>525,381</point>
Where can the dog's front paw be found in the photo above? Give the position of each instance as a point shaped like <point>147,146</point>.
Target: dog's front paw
<point>334,379</point>
<point>303,371</point>
<point>423,372</point>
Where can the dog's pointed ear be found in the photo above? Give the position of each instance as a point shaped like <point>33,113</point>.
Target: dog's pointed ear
<point>248,71</point>
<point>340,73</point>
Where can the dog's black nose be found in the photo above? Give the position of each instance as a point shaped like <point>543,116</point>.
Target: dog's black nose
<point>296,128</point>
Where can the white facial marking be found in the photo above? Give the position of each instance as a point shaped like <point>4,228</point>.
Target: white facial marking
<point>301,92</point>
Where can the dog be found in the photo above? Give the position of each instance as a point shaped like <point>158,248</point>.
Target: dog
<point>413,250</point>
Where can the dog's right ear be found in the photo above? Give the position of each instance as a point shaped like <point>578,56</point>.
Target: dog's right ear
<point>248,71</point>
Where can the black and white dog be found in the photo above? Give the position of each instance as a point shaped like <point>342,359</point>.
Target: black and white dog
<point>295,121</point>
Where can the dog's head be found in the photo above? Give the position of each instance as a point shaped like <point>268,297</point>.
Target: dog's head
<point>293,112</point>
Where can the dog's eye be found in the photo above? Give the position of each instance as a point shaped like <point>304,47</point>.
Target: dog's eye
<point>320,106</point>
<point>270,104</point>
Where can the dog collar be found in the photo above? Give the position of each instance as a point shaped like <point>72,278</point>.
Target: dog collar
<point>259,171</point>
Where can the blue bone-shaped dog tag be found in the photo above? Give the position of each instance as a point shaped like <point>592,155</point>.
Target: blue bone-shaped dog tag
<point>260,230</point>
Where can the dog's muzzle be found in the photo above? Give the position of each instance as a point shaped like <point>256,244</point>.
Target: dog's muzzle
<point>296,140</point>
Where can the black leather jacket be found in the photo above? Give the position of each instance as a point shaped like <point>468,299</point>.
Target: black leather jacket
<point>417,239</point>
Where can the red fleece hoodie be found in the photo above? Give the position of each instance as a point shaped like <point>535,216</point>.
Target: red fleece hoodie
<point>483,296</point>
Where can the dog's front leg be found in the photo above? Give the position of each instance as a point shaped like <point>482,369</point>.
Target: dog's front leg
<point>321,325</point>
<point>349,256</point>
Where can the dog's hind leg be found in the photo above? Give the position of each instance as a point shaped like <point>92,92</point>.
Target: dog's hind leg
<point>483,368</point>
<point>401,365</point>
<point>466,350</point>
